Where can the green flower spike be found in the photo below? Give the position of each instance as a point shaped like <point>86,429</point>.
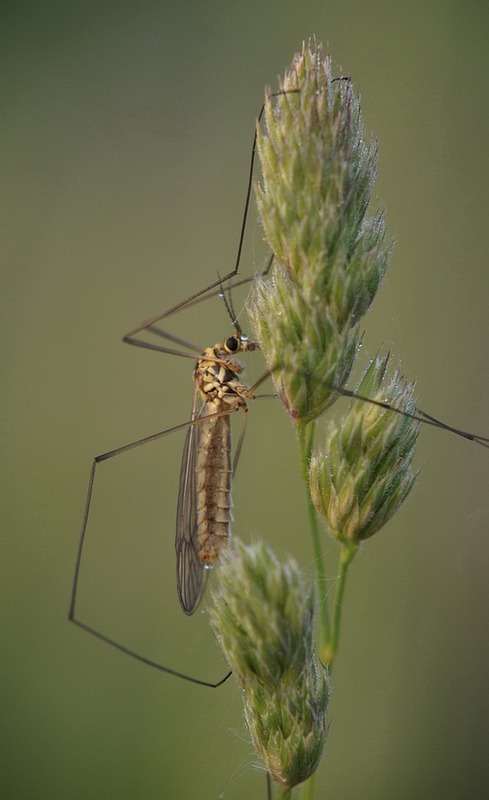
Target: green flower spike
<point>330,257</point>
<point>263,615</point>
<point>365,471</point>
<point>306,350</point>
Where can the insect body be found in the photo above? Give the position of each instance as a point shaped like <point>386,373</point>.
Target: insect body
<point>204,500</point>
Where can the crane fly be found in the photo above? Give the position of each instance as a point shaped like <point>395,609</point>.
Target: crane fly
<point>204,498</point>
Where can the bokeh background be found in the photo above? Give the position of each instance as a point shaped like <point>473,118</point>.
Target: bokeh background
<point>125,135</point>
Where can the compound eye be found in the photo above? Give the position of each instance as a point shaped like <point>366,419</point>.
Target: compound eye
<point>231,344</point>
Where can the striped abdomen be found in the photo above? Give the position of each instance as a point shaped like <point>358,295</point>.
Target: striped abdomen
<point>213,480</point>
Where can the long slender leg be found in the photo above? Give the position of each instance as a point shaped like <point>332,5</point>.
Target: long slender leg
<point>420,416</point>
<point>261,274</point>
<point>129,337</point>
<point>157,331</point>
<point>74,592</point>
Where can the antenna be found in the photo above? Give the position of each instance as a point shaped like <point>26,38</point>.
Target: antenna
<point>229,306</point>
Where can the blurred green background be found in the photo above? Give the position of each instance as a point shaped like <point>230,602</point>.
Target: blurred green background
<point>126,133</point>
